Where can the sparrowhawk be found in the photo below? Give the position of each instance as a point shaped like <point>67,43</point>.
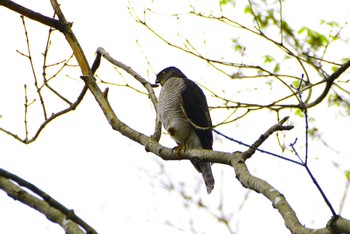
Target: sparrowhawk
<point>184,113</point>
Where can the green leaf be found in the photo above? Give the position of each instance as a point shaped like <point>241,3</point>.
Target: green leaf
<point>347,175</point>
<point>314,38</point>
<point>334,99</point>
<point>248,10</point>
<point>329,23</point>
<point>268,59</point>
<point>269,82</point>
<point>224,2</point>
<point>287,29</point>
<point>313,132</point>
<point>277,68</point>
<point>238,48</point>
<point>300,31</point>
<point>334,68</point>
<point>296,84</point>
<point>299,113</point>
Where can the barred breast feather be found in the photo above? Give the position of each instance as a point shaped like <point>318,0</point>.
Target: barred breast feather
<point>172,116</point>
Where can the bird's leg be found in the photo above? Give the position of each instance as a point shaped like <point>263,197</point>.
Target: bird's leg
<point>178,149</point>
<point>180,146</point>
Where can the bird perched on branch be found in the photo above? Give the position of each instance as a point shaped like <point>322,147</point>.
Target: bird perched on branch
<point>184,113</point>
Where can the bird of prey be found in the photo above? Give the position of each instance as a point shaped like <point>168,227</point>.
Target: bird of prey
<point>184,113</point>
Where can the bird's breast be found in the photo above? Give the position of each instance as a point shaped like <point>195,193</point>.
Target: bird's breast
<point>171,114</point>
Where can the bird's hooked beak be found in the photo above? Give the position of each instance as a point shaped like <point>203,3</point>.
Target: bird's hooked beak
<point>156,84</point>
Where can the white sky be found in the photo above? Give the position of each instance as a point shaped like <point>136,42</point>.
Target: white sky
<point>111,182</point>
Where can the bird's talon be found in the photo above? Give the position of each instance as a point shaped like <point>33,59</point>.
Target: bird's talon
<point>178,149</point>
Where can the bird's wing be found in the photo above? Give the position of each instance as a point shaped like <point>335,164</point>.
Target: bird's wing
<point>195,108</point>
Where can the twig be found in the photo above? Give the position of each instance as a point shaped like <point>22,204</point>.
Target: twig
<point>48,120</point>
<point>25,113</point>
<point>260,150</point>
<point>255,17</point>
<point>226,121</point>
<point>304,162</point>
<point>347,186</point>
<point>277,127</point>
<point>29,56</point>
<point>281,21</point>
<point>45,66</point>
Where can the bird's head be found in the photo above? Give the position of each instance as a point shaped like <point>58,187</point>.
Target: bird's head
<point>168,73</point>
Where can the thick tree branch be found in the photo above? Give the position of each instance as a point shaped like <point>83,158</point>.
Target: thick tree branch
<point>277,199</point>
<point>339,225</point>
<point>53,214</point>
<point>46,198</point>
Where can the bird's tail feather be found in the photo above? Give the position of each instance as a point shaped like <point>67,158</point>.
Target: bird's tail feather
<point>205,169</point>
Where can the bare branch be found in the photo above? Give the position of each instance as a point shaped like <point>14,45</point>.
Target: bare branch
<point>25,112</point>
<point>305,161</point>
<point>48,120</point>
<point>29,56</point>
<point>277,127</point>
<point>329,82</point>
<point>32,14</point>
<point>277,199</point>
<point>139,78</point>
<point>129,70</point>
<point>51,213</point>
<point>257,149</point>
<point>44,206</point>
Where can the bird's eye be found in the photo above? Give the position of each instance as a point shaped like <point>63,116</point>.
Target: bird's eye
<point>163,73</point>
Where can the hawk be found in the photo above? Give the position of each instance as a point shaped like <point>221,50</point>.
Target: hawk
<point>184,113</point>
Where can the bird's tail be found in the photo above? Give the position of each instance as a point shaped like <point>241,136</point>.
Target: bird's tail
<point>205,169</point>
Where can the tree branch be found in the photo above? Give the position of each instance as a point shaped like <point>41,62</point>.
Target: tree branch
<point>277,127</point>
<point>32,14</point>
<point>42,206</point>
<point>48,120</point>
<point>148,86</point>
<point>329,82</point>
